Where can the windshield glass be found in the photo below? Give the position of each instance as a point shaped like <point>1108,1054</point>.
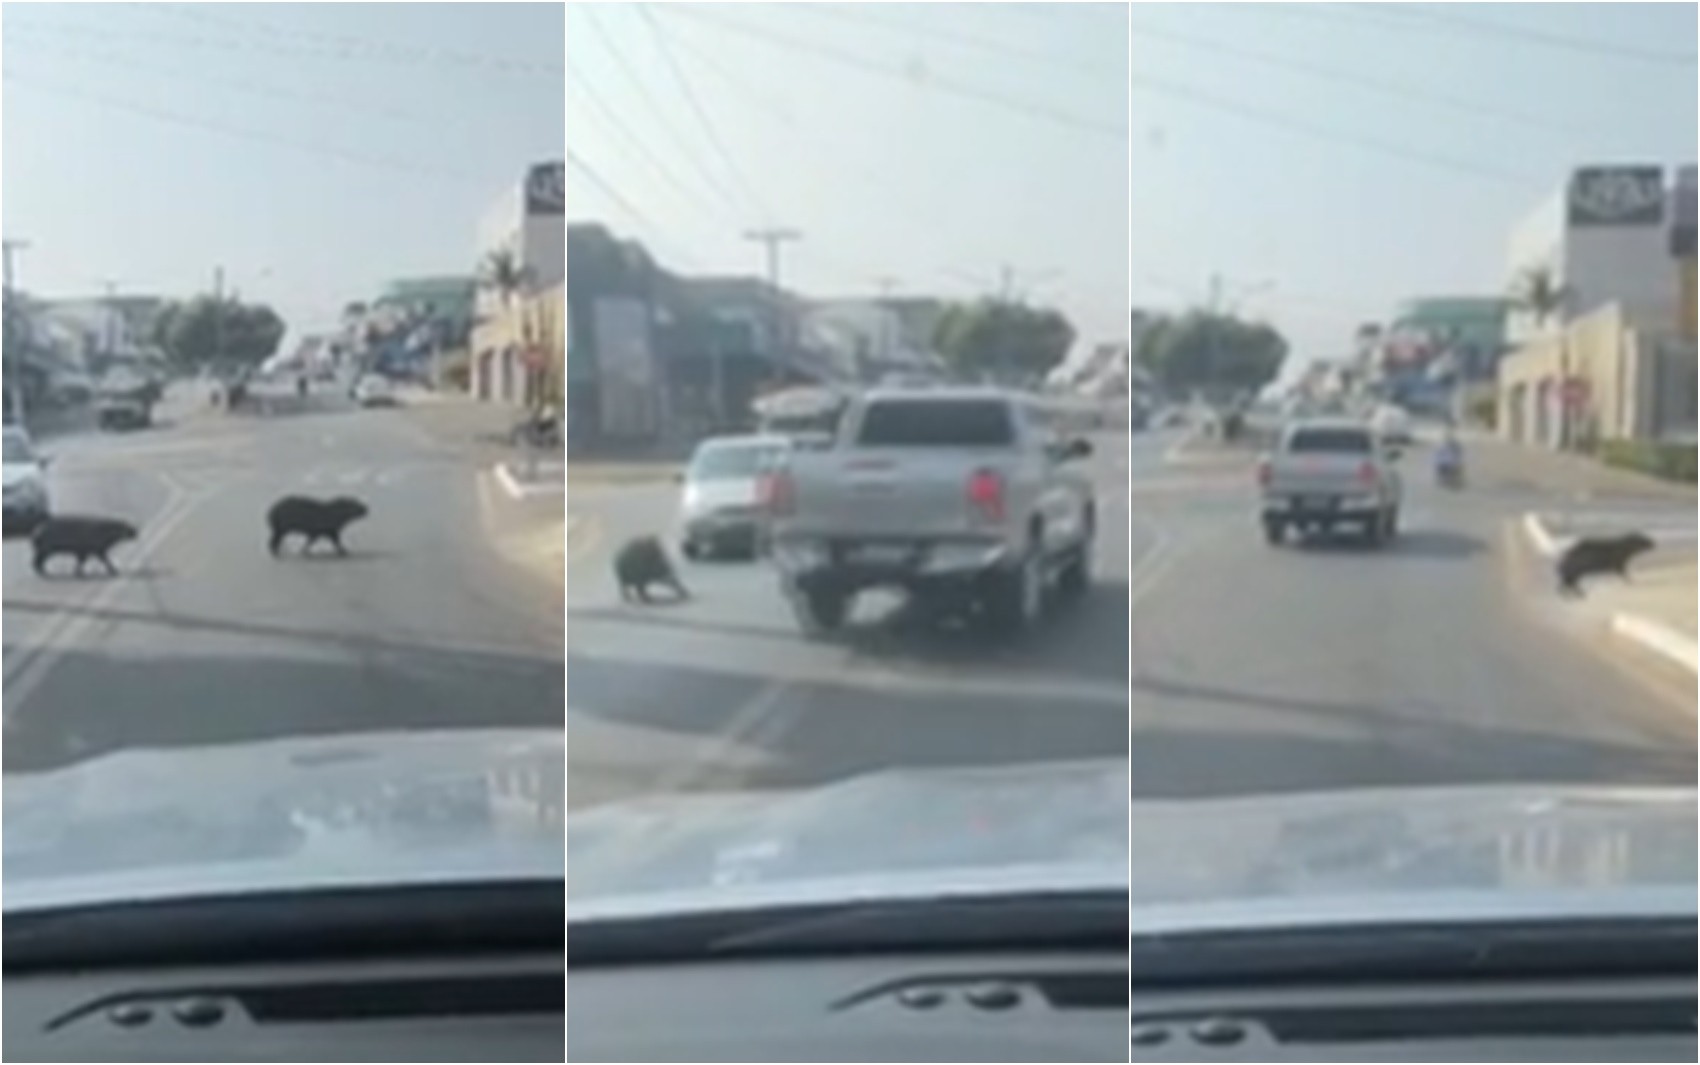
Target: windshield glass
<point>264,634</point>
<point>733,461</point>
<point>903,659</point>
<point>1342,441</point>
<point>936,423</point>
<point>18,448</point>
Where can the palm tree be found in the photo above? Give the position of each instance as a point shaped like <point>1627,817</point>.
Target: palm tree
<point>1545,298</point>
<point>506,275</point>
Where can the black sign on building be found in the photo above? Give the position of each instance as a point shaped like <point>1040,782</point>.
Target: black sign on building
<point>546,190</point>
<point>1683,212</point>
<point>1617,196</point>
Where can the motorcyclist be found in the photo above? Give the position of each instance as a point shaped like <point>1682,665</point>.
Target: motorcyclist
<point>1449,458</point>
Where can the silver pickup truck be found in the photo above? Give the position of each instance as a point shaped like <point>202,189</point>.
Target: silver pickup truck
<point>1327,473</point>
<point>964,498</point>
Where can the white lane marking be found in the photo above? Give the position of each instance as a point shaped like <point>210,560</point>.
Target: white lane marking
<point>1540,537</point>
<point>31,666</point>
<point>1662,639</point>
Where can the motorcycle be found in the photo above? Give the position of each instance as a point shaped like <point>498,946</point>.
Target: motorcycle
<point>1449,470</point>
<point>540,429</point>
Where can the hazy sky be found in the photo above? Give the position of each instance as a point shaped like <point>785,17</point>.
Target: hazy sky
<point>1355,154</point>
<point>931,145</point>
<point>314,150</point>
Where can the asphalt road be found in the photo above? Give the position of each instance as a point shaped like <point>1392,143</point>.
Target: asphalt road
<point>205,638</point>
<point>1445,659</point>
<point>723,692</point>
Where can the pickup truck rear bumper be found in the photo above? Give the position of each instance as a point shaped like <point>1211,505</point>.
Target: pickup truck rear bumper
<point>850,565</point>
<point>1321,507</point>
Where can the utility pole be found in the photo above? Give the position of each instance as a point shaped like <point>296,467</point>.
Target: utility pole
<point>771,238</point>
<point>218,316</point>
<point>8,253</point>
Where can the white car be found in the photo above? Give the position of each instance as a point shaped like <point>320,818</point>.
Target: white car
<point>27,501</point>
<point>374,390</point>
<point>721,506</point>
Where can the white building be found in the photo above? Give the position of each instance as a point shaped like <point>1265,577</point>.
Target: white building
<point>529,223</point>
<point>1605,237</point>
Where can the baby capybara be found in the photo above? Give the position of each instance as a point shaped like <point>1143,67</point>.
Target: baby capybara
<point>315,519</point>
<point>82,538</point>
<point>1603,554</point>
<point>641,563</point>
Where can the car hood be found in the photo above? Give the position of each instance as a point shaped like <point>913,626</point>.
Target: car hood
<point>17,473</point>
<point>1194,863</point>
<point>706,496</point>
<point>382,808</point>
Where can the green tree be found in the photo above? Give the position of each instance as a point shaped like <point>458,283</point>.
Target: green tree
<point>1006,341</point>
<point>226,335</point>
<point>1539,292</point>
<point>1211,353</point>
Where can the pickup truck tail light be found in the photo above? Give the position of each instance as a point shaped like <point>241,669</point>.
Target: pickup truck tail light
<point>1368,475</point>
<point>776,493</point>
<point>1264,472</point>
<point>986,494</point>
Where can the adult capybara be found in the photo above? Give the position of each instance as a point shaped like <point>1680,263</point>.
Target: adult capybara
<point>81,537</point>
<point>642,562</point>
<point>315,519</point>
<point>1602,554</point>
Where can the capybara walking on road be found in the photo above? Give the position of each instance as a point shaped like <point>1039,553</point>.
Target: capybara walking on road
<point>315,519</point>
<point>642,562</point>
<point>1591,555</point>
<point>82,538</point>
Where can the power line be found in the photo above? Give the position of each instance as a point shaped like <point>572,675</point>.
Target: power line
<point>1391,149</point>
<point>642,86</point>
<point>623,132</point>
<point>1003,49</point>
<point>928,80</point>
<point>1446,17</point>
<point>225,129</point>
<point>227,43</point>
<point>1389,88</point>
<point>878,182</point>
<point>607,188</point>
<point>701,112</point>
<point>253,88</point>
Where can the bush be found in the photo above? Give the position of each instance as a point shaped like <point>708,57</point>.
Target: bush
<point>1671,462</point>
<point>1484,411</point>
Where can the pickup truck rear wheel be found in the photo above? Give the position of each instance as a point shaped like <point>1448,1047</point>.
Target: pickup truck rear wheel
<point>1016,599</point>
<point>1274,530</point>
<point>820,611</point>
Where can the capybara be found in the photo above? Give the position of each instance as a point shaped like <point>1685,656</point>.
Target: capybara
<point>315,519</point>
<point>641,563</point>
<point>81,537</point>
<point>1603,554</point>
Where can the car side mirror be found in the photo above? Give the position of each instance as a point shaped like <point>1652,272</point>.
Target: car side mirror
<point>678,476</point>
<point>44,461</point>
<point>1394,454</point>
<point>1078,448</point>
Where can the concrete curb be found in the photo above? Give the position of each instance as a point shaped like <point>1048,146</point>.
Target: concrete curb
<point>1659,638</point>
<point>1544,542</point>
<point>516,489</point>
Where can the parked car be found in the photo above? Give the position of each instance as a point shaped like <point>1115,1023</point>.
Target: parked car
<point>375,390</point>
<point>27,500</point>
<point>963,498</point>
<point>1329,473</point>
<point>720,509</point>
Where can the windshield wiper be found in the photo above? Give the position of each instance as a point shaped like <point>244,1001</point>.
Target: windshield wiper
<point>1058,920</point>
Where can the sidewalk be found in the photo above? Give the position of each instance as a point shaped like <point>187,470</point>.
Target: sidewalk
<point>1656,609</point>
<point>1496,463</point>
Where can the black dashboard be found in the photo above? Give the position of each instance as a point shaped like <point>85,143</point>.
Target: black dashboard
<point>1075,1007</point>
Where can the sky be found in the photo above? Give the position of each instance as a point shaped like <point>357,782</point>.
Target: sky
<point>1328,161</point>
<point>917,149</point>
<point>314,151</point>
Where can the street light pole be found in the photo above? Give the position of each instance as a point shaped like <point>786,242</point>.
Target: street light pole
<point>771,238</point>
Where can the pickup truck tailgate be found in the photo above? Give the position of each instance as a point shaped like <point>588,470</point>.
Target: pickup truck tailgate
<point>1318,475</point>
<point>897,492</point>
